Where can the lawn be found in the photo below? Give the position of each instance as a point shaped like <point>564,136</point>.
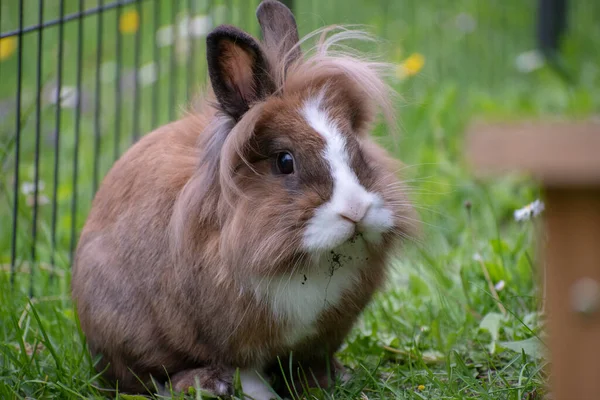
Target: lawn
<point>462,316</point>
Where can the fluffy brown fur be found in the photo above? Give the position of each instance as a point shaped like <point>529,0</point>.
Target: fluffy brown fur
<point>191,217</point>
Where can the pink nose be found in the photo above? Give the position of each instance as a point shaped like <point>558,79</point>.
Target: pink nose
<point>355,212</point>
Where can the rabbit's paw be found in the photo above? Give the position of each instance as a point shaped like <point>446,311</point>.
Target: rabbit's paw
<point>216,380</point>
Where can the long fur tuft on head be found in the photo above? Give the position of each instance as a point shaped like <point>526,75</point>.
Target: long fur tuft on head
<point>331,56</point>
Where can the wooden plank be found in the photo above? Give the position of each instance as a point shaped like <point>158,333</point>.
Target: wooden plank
<point>572,259</point>
<point>557,153</point>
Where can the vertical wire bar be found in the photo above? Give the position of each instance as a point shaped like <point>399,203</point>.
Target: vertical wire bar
<point>155,56</point>
<point>13,255</point>
<point>173,73</point>
<point>117,142</point>
<point>480,23</point>
<point>98,100</point>
<point>504,52</point>
<point>489,46</point>
<point>38,128</point>
<point>77,131</point>
<point>136,80</point>
<point>57,134</point>
<point>191,65</point>
<point>439,23</point>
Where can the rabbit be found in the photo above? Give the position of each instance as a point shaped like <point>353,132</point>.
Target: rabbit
<point>250,234</point>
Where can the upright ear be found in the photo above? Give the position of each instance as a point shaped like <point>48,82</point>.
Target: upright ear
<point>238,70</point>
<point>279,29</point>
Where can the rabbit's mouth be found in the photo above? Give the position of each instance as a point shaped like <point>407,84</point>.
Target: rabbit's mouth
<point>330,228</point>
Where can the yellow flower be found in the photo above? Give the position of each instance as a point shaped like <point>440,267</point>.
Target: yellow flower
<point>129,22</point>
<point>7,47</point>
<point>421,387</point>
<point>411,66</point>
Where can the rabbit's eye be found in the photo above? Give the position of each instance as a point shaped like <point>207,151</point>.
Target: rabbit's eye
<point>285,163</point>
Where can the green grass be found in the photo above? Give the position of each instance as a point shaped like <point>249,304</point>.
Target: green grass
<point>437,324</point>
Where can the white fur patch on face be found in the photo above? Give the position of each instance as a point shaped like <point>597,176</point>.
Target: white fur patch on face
<point>332,225</point>
<point>254,387</point>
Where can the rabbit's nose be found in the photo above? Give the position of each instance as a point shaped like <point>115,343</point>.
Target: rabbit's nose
<point>355,212</point>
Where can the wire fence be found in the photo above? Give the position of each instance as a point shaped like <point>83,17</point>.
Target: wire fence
<point>81,80</point>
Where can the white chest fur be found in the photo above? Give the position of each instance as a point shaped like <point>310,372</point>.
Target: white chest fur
<point>300,298</point>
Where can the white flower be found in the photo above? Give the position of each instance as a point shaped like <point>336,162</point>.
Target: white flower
<point>529,211</point>
<point>68,96</point>
<point>164,36</point>
<point>184,27</point>
<point>29,187</point>
<point>477,257</point>
<point>200,25</point>
<point>147,74</point>
<point>499,286</point>
<point>465,23</point>
<point>42,200</point>
<point>529,61</point>
<point>195,27</point>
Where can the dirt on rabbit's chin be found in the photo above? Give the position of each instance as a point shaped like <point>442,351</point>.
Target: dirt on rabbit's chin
<point>351,253</point>
<point>356,237</point>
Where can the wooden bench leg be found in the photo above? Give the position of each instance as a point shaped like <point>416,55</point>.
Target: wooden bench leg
<point>572,258</point>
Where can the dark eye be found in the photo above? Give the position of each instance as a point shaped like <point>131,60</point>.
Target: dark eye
<point>285,163</point>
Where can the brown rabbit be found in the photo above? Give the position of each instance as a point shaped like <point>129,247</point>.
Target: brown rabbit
<point>254,229</point>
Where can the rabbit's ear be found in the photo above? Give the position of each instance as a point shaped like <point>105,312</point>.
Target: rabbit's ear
<point>238,70</point>
<point>279,30</point>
